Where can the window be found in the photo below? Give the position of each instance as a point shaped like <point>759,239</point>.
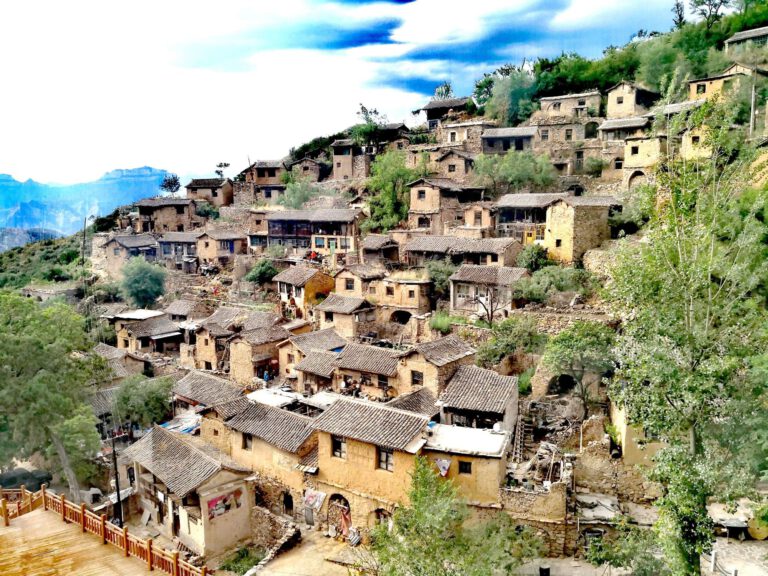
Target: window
<point>568,134</point>
<point>205,341</point>
<point>208,366</point>
<point>558,243</point>
<point>417,378</point>
<point>179,209</point>
<point>383,381</point>
<point>701,88</point>
<point>421,194</point>
<point>215,432</point>
<point>451,167</point>
<point>477,217</point>
<point>465,467</point>
<point>319,242</point>
<point>247,441</point>
<point>349,284</point>
<point>618,164</point>
<point>453,136</point>
<point>390,291</point>
<point>305,168</point>
<point>365,379</point>
<point>635,150</point>
<point>519,144</point>
<point>344,243</point>
<point>298,291</point>
<point>116,251</point>
<point>582,103</point>
<point>126,343</point>
<point>494,257</point>
<point>556,106</point>
<point>386,459</point>
<point>214,193</point>
<point>338,164</point>
<point>267,193</point>
<point>271,172</point>
<point>329,316</point>
<point>620,100</point>
<point>505,144</point>
<point>291,359</point>
<point>411,294</point>
<point>261,172</point>
<point>695,140</point>
<point>338,447</point>
<point>399,145</point>
<point>491,143</point>
<point>207,244</point>
<point>544,135</point>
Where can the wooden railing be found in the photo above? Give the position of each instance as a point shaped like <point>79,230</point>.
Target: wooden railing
<point>14,503</point>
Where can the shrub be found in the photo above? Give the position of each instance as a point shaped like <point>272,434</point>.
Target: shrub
<point>56,274</point>
<point>143,282</point>
<point>524,382</point>
<point>243,560</point>
<point>533,257</point>
<point>68,256</point>
<point>552,279</point>
<point>441,321</point>
<point>439,272</point>
<point>276,251</point>
<point>262,272</point>
<point>206,210</point>
<point>594,167</point>
<point>510,336</point>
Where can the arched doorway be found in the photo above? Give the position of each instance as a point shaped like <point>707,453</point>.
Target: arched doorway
<point>576,189</point>
<point>561,384</point>
<point>637,178</point>
<point>287,504</point>
<point>381,516</point>
<point>339,513</point>
<point>400,316</point>
<point>424,222</point>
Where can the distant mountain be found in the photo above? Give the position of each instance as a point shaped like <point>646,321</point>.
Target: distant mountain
<point>62,208</point>
<point>13,237</point>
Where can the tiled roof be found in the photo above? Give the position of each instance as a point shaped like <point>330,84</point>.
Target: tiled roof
<point>421,401</point>
<point>206,389</point>
<point>223,234</point>
<point>152,327</point>
<point>188,237</point>
<point>565,96</point>
<point>620,123</point>
<point>447,103</point>
<point>488,275</point>
<point>103,401</point>
<point>180,463</point>
<point>296,275</point>
<point>255,319</point>
<point>281,428</point>
<point>109,352</point>
<point>676,108</point>
<point>466,155</point>
<point>205,183</point>
<point>136,241</point>
<point>220,321</point>
<point>456,245</point>
<point>372,359</point>
<point>518,132</point>
<point>320,215</point>
<point>231,408</point>
<point>444,350</point>
<point>268,164</point>
<point>367,272</point>
<point>342,304</point>
<point>373,423</point>
<point>444,184</point>
<point>343,142</point>
<point>323,340</point>
<point>180,307</point>
<point>528,200</point>
<point>480,390</point>
<point>592,201</point>
<point>748,34</point>
<point>318,362</point>
<point>266,335</point>
<point>309,461</point>
<point>163,201</point>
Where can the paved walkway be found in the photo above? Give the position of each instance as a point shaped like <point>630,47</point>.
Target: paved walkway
<point>309,557</point>
<point>41,544</point>
<point>749,557</point>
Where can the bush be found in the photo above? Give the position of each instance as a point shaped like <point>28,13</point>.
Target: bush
<point>524,382</point>
<point>533,257</point>
<point>262,272</point>
<point>143,282</point>
<point>509,337</point>
<point>439,273</point>
<point>56,274</point>
<point>276,251</point>
<point>206,210</point>
<point>243,560</point>
<point>552,279</point>
<point>594,167</point>
<point>68,256</point>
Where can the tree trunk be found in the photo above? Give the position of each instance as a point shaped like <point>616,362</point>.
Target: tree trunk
<point>66,466</point>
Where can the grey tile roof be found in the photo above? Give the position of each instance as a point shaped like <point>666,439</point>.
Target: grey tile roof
<point>748,34</point>
<point>163,201</point>
<point>109,352</point>
<point>421,401</point>
<point>322,340</point>
<point>136,241</point>
<point>268,164</point>
<point>488,275</point>
<point>620,123</point>
<point>225,234</point>
<point>367,272</point>
<point>205,183</point>
<point>373,423</point>
<point>343,142</point>
<point>447,103</point>
<point>180,307</point>
<point>444,184</point>
<point>565,96</point>
<point>103,401</point>
<point>206,389</point>
<point>592,201</point>
<point>372,359</point>
<point>259,336</point>
<point>676,108</point>
<point>152,327</point>
<point>466,155</point>
<point>480,390</point>
<point>281,428</point>
<point>528,200</point>
<point>180,237</point>
<point>456,245</point>
<point>342,304</point>
<point>310,459</point>
<point>230,408</point>
<point>296,275</point>
<point>180,463</point>
<point>318,362</point>
<point>518,132</point>
<point>255,319</point>
<point>221,320</point>
<point>318,216</point>
<point>444,350</point>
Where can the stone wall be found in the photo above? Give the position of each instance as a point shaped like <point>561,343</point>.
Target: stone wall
<point>245,194</point>
<point>553,321</point>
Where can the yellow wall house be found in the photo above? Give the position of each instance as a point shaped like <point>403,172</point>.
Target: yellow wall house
<point>166,214</point>
<point>578,105</point>
<point>355,280</point>
<point>157,334</point>
<point>192,491</point>
<point>576,224</point>
<point>431,364</point>
<point>627,100</point>
<point>635,447</point>
<point>252,353</point>
<point>296,348</point>
<point>348,315</point>
<point>723,83</point>
<point>483,290</point>
<point>216,191</point>
<point>121,248</point>
<point>300,288</point>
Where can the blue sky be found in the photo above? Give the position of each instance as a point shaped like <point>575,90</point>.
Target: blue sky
<point>182,85</point>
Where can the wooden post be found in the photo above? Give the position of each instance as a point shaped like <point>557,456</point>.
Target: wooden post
<point>42,493</point>
<point>82,515</point>
<point>204,571</point>
<point>104,528</point>
<point>23,493</point>
<point>175,567</point>
<point>4,512</point>
<point>63,507</point>
<point>125,539</point>
<point>149,554</point>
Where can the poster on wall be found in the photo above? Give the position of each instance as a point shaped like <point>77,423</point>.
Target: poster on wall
<point>224,503</point>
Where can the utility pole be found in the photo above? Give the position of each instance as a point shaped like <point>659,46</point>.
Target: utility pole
<point>119,503</point>
<point>752,107</point>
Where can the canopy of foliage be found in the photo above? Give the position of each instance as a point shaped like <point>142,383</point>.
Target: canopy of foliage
<point>262,272</point>
<point>514,335</point>
<point>143,282</point>
<point>389,204</point>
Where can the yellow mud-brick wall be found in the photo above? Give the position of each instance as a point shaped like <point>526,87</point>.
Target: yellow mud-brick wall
<point>481,486</point>
<point>345,325</point>
<point>621,102</point>
<point>644,152</point>
<point>241,355</point>
<point>205,350</point>
<point>634,447</point>
<point>269,460</point>
<point>341,284</point>
<point>214,432</point>
<point>431,200</point>
<point>224,531</point>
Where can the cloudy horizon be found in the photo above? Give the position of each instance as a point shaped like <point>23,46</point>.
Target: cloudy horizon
<point>96,86</point>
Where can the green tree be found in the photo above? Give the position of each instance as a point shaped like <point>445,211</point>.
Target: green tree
<point>710,10</point>
<point>206,210</point>
<point>533,257</point>
<point>144,401</point>
<point>262,272</point>
<point>297,193</point>
<point>690,353</point>
<point>369,130</point>
<point>440,272</point>
<point>580,349</point>
<point>170,183</point>
<point>220,167</point>
<point>389,204</point>
<point>511,99</point>
<point>678,14</point>
<point>512,336</point>
<point>143,282</point>
<point>429,535</point>
<point>513,172</point>
<point>444,91</point>
<point>47,377</point>
<point>630,547</point>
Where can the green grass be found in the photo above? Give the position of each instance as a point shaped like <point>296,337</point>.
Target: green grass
<point>442,322</point>
<point>524,381</point>
<point>243,560</point>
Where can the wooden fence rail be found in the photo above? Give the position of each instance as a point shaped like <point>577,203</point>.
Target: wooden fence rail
<point>14,503</point>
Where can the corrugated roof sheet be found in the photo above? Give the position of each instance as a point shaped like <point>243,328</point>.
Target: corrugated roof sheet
<point>446,103</point>
<point>566,96</point>
<point>748,34</point>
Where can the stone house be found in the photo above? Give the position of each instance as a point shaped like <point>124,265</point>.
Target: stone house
<point>480,398</point>
<point>502,140</point>
<point>121,248</point>
<point>315,372</point>
<point>379,249</point>
<point>192,491</point>
<point>619,129</point>
<point>713,86</point>
<point>309,169</point>
<point>628,100</point>
<point>297,347</point>
<point>479,221</point>
<point>183,310</point>
<point>430,365</point>
<point>348,315</point>
<point>400,295</point>
<point>437,203</point>
<point>265,173</point>
<point>355,280</point>
<point>200,389</point>
<point>217,192</point>
<point>157,334</point>
<point>330,232</point>
<point>641,156</point>
<point>468,134</point>
<point>455,165</point>
<point>178,250</point>
<point>437,110</point>
<point>300,288</point>
<point>478,290</point>
<point>166,214</point>
<point>486,251</point>
<point>524,216</point>
<point>350,161</point>
<point>579,105</point>
<point>747,38</point>
<point>366,370</point>
<point>253,353</point>
<point>219,247</point>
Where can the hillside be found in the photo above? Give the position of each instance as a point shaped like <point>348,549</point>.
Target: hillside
<point>13,237</point>
<point>51,260</point>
